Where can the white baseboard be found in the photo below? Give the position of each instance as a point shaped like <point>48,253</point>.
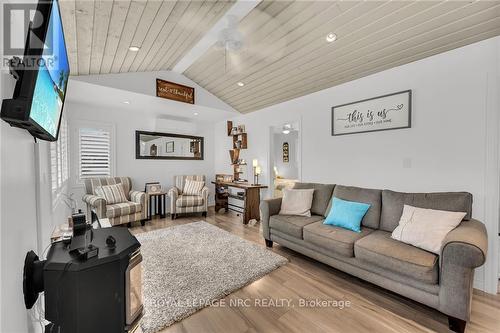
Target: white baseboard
<point>478,284</point>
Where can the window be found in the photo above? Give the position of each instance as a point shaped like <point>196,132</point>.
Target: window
<point>95,153</point>
<point>59,168</point>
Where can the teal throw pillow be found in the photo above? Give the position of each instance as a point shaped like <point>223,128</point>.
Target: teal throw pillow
<point>346,214</point>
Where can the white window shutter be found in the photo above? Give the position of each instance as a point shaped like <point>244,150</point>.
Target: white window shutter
<point>95,153</point>
<point>59,172</point>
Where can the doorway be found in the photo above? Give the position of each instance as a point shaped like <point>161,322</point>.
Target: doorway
<point>285,157</point>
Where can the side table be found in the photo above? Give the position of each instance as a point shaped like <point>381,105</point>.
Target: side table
<point>160,204</point>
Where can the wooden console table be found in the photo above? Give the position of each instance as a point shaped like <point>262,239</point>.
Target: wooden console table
<point>251,199</point>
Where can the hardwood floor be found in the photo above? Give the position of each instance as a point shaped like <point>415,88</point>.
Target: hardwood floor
<point>372,309</point>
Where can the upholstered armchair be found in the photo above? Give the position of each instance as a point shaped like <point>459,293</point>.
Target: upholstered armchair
<point>182,203</point>
<point>134,209</point>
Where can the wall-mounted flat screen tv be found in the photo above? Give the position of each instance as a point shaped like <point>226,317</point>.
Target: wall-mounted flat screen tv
<point>40,91</point>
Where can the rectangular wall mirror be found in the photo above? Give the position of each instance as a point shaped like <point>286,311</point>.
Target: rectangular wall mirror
<point>168,146</point>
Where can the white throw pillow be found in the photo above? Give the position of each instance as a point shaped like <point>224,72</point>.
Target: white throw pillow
<point>193,187</point>
<point>297,202</point>
<point>426,228</point>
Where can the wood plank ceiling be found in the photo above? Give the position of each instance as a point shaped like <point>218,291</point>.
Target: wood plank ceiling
<point>100,32</point>
<point>372,36</point>
<point>285,54</point>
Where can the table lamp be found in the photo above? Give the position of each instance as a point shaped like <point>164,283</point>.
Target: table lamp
<point>256,173</point>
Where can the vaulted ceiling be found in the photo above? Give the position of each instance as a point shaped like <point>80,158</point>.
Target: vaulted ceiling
<point>284,55</point>
<point>99,32</point>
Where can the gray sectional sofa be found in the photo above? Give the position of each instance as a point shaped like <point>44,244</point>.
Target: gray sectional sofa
<point>442,282</point>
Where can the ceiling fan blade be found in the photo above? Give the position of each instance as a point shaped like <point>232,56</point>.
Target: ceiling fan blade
<point>261,39</point>
<point>234,63</point>
<point>265,41</point>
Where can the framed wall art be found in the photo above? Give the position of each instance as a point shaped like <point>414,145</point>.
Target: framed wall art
<point>381,113</point>
<point>286,152</point>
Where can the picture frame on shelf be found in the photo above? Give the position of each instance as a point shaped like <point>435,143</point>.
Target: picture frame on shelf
<point>153,188</point>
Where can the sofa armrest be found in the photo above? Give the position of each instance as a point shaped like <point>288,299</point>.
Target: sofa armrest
<point>173,193</point>
<point>140,198</point>
<point>466,245</point>
<point>268,208</point>
<point>204,193</point>
<point>463,250</point>
<point>96,202</point>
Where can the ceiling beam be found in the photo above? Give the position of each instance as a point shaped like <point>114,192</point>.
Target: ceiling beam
<point>240,9</point>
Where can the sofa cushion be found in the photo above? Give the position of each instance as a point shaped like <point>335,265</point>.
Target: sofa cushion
<point>365,195</point>
<point>380,249</point>
<point>393,202</point>
<point>296,202</point>
<point>291,224</point>
<point>321,197</point>
<point>123,208</point>
<point>334,239</point>
<point>189,201</point>
<point>92,183</point>
<point>113,194</point>
<point>193,187</point>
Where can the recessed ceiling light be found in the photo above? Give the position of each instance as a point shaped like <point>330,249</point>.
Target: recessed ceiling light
<point>240,84</point>
<point>126,102</point>
<point>134,48</point>
<point>331,37</point>
<point>196,113</point>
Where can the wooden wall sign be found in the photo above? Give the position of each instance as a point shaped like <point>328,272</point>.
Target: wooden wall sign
<point>174,91</point>
<point>286,152</point>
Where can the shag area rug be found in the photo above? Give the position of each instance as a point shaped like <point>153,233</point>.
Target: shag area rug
<point>190,266</point>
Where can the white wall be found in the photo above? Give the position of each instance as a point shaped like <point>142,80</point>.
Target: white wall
<point>145,83</point>
<point>141,171</point>
<point>18,222</point>
<point>448,148</point>
<point>21,229</point>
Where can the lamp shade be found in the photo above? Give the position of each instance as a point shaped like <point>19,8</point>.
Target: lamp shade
<point>257,170</point>
<point>255,162</point>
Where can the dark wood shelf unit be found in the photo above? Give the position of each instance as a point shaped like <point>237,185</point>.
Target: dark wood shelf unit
<point>251,199</point>
<point>240,138</point>
<point>239,141</point>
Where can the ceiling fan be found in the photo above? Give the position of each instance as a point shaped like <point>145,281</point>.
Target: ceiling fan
<point>261,39</point>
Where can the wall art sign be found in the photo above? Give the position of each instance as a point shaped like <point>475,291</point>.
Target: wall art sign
<point>174,91</point>
<point>392,111</point>
<point>286,152</point>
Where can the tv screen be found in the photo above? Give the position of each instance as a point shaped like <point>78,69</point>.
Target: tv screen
<point>42,76</point>
<point>52,77</point>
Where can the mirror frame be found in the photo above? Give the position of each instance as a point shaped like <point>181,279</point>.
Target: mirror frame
<point>138,146</point>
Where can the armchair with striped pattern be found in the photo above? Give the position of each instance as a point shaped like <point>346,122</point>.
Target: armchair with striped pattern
<point>181,202</point>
